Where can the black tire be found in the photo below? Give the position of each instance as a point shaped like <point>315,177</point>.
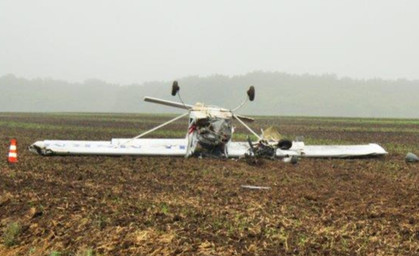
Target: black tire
<point>284,144</point>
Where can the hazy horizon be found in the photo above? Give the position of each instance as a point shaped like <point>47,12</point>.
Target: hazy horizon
<point>169,81</point>
<point>277,93</point>
<point>129,42</point>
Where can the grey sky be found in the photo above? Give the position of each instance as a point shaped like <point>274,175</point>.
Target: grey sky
<point>136,41</point>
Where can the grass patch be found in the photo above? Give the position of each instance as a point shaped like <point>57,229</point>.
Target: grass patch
<point>87,252</point>
<point>11,234</point>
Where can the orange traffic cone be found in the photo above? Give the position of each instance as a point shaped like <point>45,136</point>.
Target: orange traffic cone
<point>12,152</point>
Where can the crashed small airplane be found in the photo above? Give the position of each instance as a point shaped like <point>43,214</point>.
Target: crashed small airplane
<point>209,133</point>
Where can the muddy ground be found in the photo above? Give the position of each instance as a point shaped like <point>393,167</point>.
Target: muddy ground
<point>165,206</point>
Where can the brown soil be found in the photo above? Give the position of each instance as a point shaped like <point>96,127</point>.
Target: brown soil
<point>165,206</point>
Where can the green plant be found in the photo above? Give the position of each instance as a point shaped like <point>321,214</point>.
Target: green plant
<point>164,208</point>
<point>31,251</point>
<point>11,234</point>
<point>87,252</point>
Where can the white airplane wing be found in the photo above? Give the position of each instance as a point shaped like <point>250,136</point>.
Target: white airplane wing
<point>238,149</point>
<point>140,147</point>
<point>177,147</point>
<point>343,151</point>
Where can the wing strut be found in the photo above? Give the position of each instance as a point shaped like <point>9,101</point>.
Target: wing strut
<point>247,127</point>
<point>158,127</point>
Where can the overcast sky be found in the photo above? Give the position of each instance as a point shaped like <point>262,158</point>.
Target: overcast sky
<point>136,41</point>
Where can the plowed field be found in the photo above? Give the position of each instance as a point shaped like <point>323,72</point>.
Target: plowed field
<point>165,206</point>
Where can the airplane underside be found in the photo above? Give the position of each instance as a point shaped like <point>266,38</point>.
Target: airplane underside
<point>179,147</point>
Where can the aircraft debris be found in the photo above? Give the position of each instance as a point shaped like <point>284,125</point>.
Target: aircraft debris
<point>255,187</point>
<point>291,159</point>
<point>411,158</point>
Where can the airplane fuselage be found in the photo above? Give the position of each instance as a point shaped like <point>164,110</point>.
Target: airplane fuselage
<point>209,130</point>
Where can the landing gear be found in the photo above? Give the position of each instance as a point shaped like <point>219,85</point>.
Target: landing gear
<point>262,149</point>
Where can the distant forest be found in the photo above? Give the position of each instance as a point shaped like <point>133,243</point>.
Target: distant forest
<point>276,94</point>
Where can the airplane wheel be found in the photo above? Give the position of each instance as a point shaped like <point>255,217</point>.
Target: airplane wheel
<point>284,144</point>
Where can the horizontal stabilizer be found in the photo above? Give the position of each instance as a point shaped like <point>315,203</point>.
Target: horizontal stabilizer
<point>168,103</point>
<point>245,118</point>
